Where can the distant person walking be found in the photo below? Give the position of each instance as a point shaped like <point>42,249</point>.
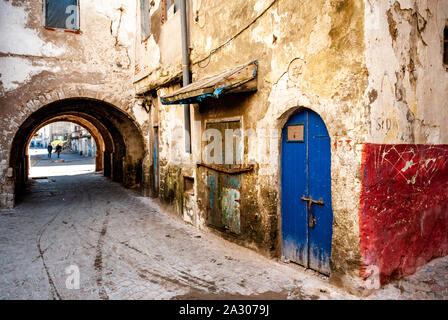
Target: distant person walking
<point>58,149</point>
<point>49,148</point>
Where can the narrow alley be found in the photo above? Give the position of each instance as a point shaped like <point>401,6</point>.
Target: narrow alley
<point>223,150</point>
<point>127,247</point>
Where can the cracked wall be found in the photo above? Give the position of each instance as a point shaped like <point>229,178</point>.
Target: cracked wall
<point>310,55</point>
<point>407,78</point>
<point>47,66</point>
<point>158,57</point>
<point>371,69</point>
<point>403,212</point>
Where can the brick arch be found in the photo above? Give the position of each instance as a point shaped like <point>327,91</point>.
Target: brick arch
<point>124,151</point>
<point>79,92</point>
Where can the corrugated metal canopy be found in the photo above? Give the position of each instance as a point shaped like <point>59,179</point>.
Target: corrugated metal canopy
<point>239,79</point>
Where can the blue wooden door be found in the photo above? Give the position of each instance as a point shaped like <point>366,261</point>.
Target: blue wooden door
<point>307,216</point>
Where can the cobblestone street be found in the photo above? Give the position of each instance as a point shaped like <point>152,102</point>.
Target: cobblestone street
<point>127,247</point>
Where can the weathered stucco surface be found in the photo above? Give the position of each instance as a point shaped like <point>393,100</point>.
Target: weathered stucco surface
<point>372,70</point>
<point>312,56</point>
<point>158,57</point>
<point>40,66</point>
<point>408,82</point>
<point>403,212</point>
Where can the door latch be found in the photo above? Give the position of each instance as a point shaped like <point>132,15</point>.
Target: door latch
<point>310,201</point>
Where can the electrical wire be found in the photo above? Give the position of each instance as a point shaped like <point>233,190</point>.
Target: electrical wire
<point>233,37</point>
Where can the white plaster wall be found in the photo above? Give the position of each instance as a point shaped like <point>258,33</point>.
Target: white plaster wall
<point>15,71</point>
<point>404,110</point>
<point>124,29</point>
<point>17,38</point>
<point>26,49</point>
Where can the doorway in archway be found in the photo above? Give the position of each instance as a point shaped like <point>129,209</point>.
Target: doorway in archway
<point>62,148</point>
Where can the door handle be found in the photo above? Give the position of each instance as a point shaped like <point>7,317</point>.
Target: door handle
<point>310,201</point>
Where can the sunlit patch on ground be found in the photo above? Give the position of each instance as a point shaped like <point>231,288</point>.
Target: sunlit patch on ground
<point>68,164</point>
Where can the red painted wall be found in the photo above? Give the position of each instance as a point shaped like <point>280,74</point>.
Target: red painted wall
<point>404,207</point>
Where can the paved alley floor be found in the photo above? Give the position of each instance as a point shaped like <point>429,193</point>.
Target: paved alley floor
<point>126,247</point>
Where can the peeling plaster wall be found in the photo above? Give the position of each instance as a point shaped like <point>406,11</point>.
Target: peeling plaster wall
<point>371,69</point>
<point>403,212</point>
<point>158,58</point>
<point>174,162</point>
<point>158,70</point>
<point>39,66</point>
<point>13,24</point>
<point>321,67</point>
<point>310,55</point>
<point>408,82</point>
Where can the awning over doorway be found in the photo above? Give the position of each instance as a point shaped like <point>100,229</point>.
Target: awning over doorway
<point>239,79</point>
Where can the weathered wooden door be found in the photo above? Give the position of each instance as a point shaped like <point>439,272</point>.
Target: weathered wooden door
<point>307,216</point>
<point>224,189</point>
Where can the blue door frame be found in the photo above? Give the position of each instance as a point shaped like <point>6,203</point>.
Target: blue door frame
<point>307,216</point>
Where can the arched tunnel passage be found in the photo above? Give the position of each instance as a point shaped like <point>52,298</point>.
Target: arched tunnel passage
<point>120,144</point>
<point>104,144</point>
<point>76,156</point>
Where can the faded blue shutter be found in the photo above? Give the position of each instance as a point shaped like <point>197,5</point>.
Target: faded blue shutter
<point>145,18</point>
<point>62,14</point>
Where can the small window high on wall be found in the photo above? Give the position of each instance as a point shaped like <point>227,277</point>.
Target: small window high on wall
<point>62,14</point>
<point>145,20</point>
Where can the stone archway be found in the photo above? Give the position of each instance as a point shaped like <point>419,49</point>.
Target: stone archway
<point>104,144</point>
<point>122,148</point>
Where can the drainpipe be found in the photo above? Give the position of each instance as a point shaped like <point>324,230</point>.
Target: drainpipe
<point>185,72</point>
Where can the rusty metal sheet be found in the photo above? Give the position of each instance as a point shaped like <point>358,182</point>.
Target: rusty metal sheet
<point>223,209</point>
<point>223,182</point>
<point>230,204</point>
